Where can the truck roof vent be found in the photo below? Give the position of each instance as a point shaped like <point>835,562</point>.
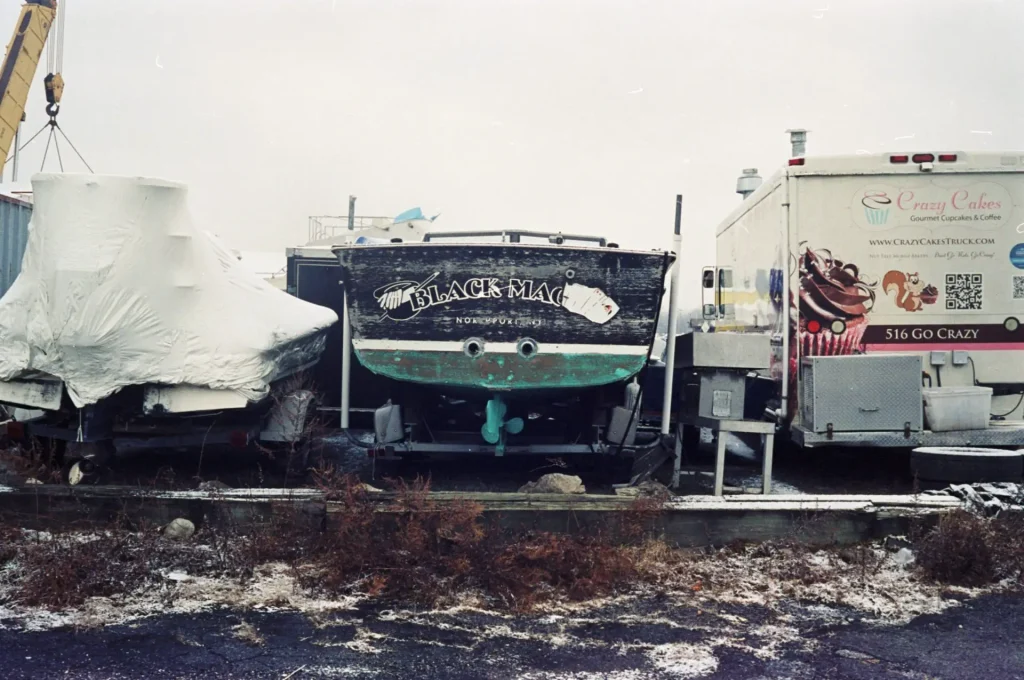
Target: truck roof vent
<point>798,141</point>
<point>748,182</point>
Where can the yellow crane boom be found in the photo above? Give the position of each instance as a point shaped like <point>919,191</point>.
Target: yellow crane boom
<point>19,68</point>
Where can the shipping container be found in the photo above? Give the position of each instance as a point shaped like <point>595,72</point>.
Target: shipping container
<point>14,217</point>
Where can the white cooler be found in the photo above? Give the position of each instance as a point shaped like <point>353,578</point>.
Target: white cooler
<point>957,408</point>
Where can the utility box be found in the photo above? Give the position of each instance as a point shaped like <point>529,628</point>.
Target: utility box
<point>714,394</point>
<point>862,393</point>
<point>738,351</point>
<point>715,371</point>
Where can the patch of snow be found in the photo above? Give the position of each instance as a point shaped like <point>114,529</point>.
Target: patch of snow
<point>362,643</point>
<point>583,675</point>
<point>273,588</point>
<point>684,660</point>
<point>337,671</point>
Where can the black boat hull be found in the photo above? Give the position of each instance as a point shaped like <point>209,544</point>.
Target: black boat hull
<point>503,317</point>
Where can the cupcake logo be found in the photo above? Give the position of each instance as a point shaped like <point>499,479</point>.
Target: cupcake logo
<point>834,301</point>
<point>829,311</point>
<point>876,207</point>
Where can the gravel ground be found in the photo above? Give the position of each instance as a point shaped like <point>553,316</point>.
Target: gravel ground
<point>832,471</point>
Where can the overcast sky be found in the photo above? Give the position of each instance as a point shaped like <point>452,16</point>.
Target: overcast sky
<point>576,116</point>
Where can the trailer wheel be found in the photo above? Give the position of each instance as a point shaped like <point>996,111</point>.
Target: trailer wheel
<point>966,464</point>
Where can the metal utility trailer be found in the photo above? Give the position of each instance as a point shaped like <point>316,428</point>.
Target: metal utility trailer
<point>138,419</point>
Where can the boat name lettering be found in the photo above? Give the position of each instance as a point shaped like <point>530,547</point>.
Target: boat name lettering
<point>498,321</point>
<point>477,289</point>
<point>405,299</point>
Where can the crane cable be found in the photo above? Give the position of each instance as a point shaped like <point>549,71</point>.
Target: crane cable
<point>55,82</point>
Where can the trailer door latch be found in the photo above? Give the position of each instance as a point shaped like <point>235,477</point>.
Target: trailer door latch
<point>906,430</point>
<point>829,431</point>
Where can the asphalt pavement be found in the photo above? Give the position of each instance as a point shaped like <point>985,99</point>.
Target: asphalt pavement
<point>634,639</point>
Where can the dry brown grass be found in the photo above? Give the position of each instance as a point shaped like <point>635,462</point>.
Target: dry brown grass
<point>968,550</point>
<point>416,548</point>
<point>409,547</point>
<point>63,569</point>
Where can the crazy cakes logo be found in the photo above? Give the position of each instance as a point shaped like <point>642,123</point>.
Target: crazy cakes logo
<point>402,300</point>
<point>935,203</point>
<point>876,207</point>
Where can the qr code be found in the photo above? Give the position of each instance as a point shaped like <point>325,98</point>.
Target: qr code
<point>963,291</point>
<point>1018,287</point>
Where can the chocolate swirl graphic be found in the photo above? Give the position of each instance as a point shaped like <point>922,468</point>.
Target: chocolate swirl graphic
<point>876,200</point>
<point>831,289</point>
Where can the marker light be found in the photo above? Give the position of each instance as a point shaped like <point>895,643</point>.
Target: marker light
<point>838,327</point>
<point>1011,324</point>
<point>813,326</point>
<point>898,159</point>
<point>947,157</point>
<point>796,161</point>
<point>923,158</point>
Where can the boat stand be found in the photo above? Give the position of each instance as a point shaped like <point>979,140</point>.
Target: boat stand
<point>720,426</point>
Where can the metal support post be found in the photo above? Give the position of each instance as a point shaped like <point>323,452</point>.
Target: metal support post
<point>346,360</point>
<point>673,319</point>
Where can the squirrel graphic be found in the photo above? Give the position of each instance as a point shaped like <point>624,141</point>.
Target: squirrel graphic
<point>910,292</point>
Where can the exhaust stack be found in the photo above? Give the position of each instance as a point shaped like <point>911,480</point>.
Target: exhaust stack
<point>748,182</point>
<point>798,140</point>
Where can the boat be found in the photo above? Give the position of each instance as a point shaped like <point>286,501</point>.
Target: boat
<point>507,324</point>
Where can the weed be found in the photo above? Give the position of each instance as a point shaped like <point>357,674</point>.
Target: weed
<point>969,550</point>
<point>248,634</point>
<point>39,459</point>
<point>66,569</point>
<point>9,538</point>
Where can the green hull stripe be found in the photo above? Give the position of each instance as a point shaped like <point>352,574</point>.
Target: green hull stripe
<point>502,372</point>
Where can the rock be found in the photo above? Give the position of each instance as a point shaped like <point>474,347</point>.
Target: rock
<point>179,529</point>
<point>213,485</point>
<point>647,489</point>
<point>368,489</point>
<point>31,481</point>
<point>555,482</point>
<point>905,557</point>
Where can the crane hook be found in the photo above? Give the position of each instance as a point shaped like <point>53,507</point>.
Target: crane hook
<point>52,109</point>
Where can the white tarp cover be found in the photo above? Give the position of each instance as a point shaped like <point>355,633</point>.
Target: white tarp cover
<point>118,287</point>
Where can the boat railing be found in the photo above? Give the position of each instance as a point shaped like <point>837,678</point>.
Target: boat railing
<point>515,236</point>
<point>329,226</point>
